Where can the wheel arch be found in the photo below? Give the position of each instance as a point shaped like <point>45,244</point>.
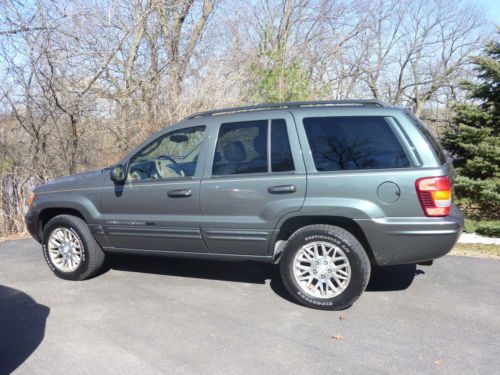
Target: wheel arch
<point>294,223</point>
<point>49,213</point>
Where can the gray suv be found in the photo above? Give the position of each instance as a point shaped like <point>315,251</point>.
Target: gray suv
<point>324,189</point>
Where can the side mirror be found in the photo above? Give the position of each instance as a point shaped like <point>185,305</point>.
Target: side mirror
<point>117,174</point>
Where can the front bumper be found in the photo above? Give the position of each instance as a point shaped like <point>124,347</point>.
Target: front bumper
<point>31,221</point>
<point>412,240</point>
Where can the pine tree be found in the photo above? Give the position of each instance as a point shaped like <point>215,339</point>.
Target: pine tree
<point>474,141</point>
<point>275,78</point>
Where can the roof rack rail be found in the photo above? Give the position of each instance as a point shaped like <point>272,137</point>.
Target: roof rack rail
<point>360,102</point>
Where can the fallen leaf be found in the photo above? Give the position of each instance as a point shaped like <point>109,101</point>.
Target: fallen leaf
<point>438,362</point>
<point>341,317</point>
<point>337,337</point>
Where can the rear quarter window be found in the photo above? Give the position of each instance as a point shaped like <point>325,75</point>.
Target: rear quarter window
<point>353,143</point>
<point>436,147</point>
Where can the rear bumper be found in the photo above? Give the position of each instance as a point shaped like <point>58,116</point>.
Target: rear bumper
<point>412,240</point>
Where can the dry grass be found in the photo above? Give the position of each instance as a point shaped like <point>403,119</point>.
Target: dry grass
<point>476,250</point>
<point>17,236</point>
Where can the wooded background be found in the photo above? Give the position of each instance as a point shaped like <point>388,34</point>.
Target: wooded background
<point>81,82</point>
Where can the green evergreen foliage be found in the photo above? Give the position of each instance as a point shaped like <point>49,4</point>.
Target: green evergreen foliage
<point>275,78</point>
<point>489,228</point>
<point>486,228</point>
<point>474,140</point>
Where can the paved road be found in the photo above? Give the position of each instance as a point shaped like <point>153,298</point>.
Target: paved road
<point>166,316</point>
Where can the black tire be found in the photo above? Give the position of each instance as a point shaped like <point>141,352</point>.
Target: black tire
<point>92,254</point>
<point>354,251</point>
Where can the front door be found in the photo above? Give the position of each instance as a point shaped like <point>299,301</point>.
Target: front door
<point>254,175</point>
<point>157,208</point>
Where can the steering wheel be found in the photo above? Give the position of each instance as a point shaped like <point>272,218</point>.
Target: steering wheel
<point>166,157</point>
<point>165,171</point>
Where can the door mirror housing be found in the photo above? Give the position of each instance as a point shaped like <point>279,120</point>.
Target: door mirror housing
<point>117,174</point>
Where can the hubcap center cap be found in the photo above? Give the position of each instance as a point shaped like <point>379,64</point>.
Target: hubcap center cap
<point>322,269</point>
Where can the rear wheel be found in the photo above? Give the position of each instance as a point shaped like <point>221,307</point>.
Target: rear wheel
<point>324,267</point>
<point>69,248</point>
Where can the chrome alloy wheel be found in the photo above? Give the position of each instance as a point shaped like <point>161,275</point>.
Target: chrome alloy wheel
<point>65,249</point>
<point>321,269</point>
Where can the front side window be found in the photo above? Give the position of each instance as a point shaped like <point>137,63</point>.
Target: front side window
<point>351,143</point>
<point>243,147</point>
<point>172,155</point>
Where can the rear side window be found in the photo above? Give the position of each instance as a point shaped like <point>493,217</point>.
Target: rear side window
<point>352,143</point>
<point>243,147</point>
<point>281,153</point>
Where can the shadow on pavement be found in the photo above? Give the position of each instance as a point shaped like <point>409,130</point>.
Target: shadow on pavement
<point>392,278</point>
<point>22,327</point>
<point>389,278</point>
<point>245,272</point>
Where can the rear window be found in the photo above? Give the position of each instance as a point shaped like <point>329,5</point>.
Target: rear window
<point>352,143</point>
<point>436,147</point>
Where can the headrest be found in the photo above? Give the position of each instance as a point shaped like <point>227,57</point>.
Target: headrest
<point>217,157</point>
<point>260,145</point>
<point>235,151</point>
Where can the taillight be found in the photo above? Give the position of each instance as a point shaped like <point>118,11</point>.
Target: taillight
<point>434,194</point>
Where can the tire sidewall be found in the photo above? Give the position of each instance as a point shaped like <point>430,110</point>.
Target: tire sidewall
<point>84,263</point>
<point>349,295</point>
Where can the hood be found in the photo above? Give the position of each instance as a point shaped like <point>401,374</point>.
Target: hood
<point>91,179</point>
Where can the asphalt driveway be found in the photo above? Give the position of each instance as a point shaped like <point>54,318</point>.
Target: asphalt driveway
<point>171,316</point>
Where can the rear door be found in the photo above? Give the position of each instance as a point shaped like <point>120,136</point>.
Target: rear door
<point>254,175</point>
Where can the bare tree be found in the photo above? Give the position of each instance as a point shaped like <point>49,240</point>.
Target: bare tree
<point>416,50</point>
<point>83,82</point>
<point>182,28</point>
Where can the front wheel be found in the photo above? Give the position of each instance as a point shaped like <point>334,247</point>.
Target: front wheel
<point>324,267</point>
<point>69,248</point>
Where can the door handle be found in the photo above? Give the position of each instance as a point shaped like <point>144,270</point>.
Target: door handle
<point>282,189</point>
<point>180,193</point>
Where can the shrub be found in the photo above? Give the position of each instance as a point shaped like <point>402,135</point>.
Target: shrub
<point>489,228</point>
<point>470,226</point>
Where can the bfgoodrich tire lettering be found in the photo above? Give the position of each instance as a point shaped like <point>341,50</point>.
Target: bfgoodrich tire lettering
<point>92,256</point>
<point>346,244</point>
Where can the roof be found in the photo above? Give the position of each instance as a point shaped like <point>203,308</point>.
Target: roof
<point>287,105</point>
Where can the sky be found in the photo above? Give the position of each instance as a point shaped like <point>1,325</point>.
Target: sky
<point>491,7</point>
